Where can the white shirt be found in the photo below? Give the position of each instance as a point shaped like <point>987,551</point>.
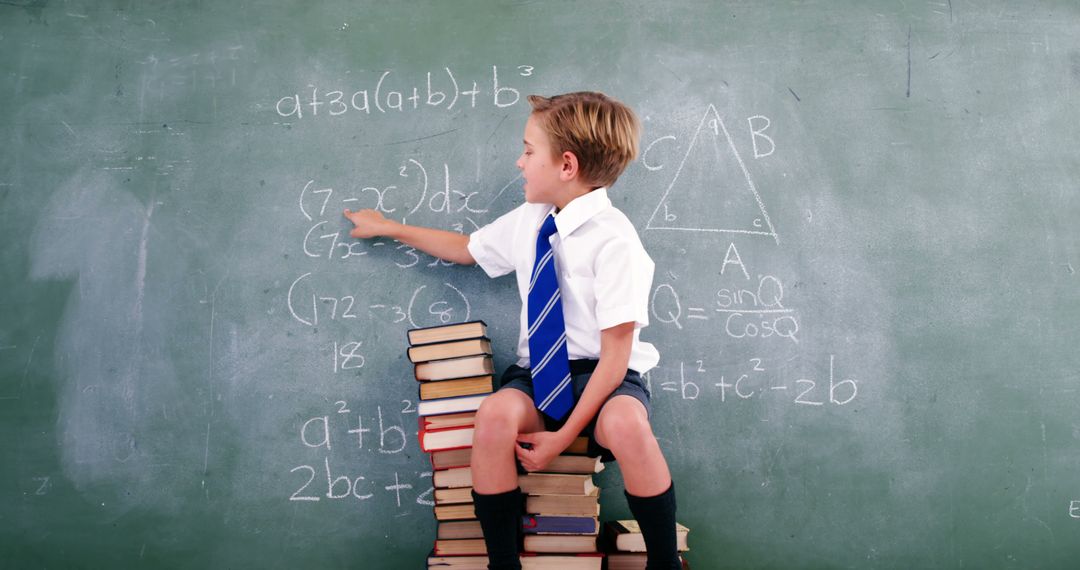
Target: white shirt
<point>604,273</point>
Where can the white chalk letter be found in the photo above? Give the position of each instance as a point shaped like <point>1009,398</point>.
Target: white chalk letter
<point>382,435</point>
<point>294,100</point>
<point>682,380</point>
<point>755,133</point>
<point>434,98</point>
<point>331,483</point>
<point>833,385</point>
<point>729,258</point>
<point>498,90</point>
<point>325,432</point>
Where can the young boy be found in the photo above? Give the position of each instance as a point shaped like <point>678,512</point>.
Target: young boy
<point>584,280</point>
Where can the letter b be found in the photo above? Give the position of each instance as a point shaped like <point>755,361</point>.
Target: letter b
<point>759,133</point>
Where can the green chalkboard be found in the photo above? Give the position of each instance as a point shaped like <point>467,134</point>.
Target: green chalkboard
<point>863,214</point>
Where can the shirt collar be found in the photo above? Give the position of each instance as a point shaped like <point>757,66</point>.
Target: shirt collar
<point>581,210</point>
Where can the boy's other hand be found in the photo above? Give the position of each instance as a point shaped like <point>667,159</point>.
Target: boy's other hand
<point>368,223</point>
<point>539,449</point>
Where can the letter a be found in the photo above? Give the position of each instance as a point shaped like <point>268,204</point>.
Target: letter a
<point>732,256</point>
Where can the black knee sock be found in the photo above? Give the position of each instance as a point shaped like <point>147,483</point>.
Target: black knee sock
<point>500,519</point>
<point>656,517</point>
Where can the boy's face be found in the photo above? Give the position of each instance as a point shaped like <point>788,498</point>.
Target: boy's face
<point>539,169</point>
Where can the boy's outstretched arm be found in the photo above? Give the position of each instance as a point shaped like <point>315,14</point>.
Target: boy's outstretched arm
<point>440,243</point>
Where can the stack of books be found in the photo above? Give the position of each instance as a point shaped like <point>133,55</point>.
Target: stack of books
<point>561,521</point>
<point>562,510</point>
<point>453,366</point>
<point>561,525</point>
<point>625,545</point>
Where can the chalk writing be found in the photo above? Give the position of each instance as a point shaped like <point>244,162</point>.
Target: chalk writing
<point>706,180</point>
<point>325,245</point>
<point>347,356</point>
<point>1074,509</point>
<point>756,134</point>
<point>426,305</point>
<point>44,487</point>
<point>352,486</point>
<point>327,237</point>
<point>756,312</point>
<point>316,432</point>
<point>648,150</point>
<point>210,70</point>
<point>335,429</point>
<point>754,380</point>
<point>391,198</point>
<point>440,90</point>
<point>423,498</point>
<point>444,311</point>
<point>357,487</point>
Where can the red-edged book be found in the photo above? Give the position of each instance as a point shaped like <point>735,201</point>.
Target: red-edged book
<point>446,421</point>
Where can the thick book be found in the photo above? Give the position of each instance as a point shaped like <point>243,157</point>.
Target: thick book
<point>453,478</point>
<point>445,350</point>
<point>633,561</point>
<point>564,505</point>
<point>463,457</point>
<point>560,543</point>
<point>580,561</point>
<point>547,524</point>
<point>462,476</point>
<point>447,333</point>
<point>574,464</point>
<point>434,440</point>
<point>460,387</point>
<point>450,458</point>
<point>529,561</point>
<point>454,405</point>
<point>454,512</point>
<point>625,536</point>
<point>452,368</point>
<point>459,529</point>
<point>460,547</point>
<point>556,484</point>
<point>457,562</point>
<point>453,496</point>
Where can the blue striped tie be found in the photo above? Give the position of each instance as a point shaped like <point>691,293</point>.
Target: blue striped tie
<point>547,332</point>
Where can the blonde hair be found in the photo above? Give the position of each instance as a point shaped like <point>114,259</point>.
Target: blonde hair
<point>600,131</point>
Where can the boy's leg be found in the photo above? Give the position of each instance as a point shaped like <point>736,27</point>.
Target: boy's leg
<point>622,426</point>
<point>497,498</point>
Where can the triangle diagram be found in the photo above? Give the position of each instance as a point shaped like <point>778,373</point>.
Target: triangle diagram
<point>712,190</point>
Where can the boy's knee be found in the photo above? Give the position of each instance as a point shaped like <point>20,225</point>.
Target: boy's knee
<point>494,423</point>
<point>625,430</point>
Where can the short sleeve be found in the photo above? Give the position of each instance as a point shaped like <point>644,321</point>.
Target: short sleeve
<point>624,275</point>
<point>492,246</point>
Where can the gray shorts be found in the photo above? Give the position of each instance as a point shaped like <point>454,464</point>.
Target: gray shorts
<point>518,378</point>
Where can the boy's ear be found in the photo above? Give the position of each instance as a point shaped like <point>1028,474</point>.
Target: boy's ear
<point>569,170</point>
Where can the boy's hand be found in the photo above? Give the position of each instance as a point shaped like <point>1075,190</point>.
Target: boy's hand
<point>543,447</point>
<point>368,223</point>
